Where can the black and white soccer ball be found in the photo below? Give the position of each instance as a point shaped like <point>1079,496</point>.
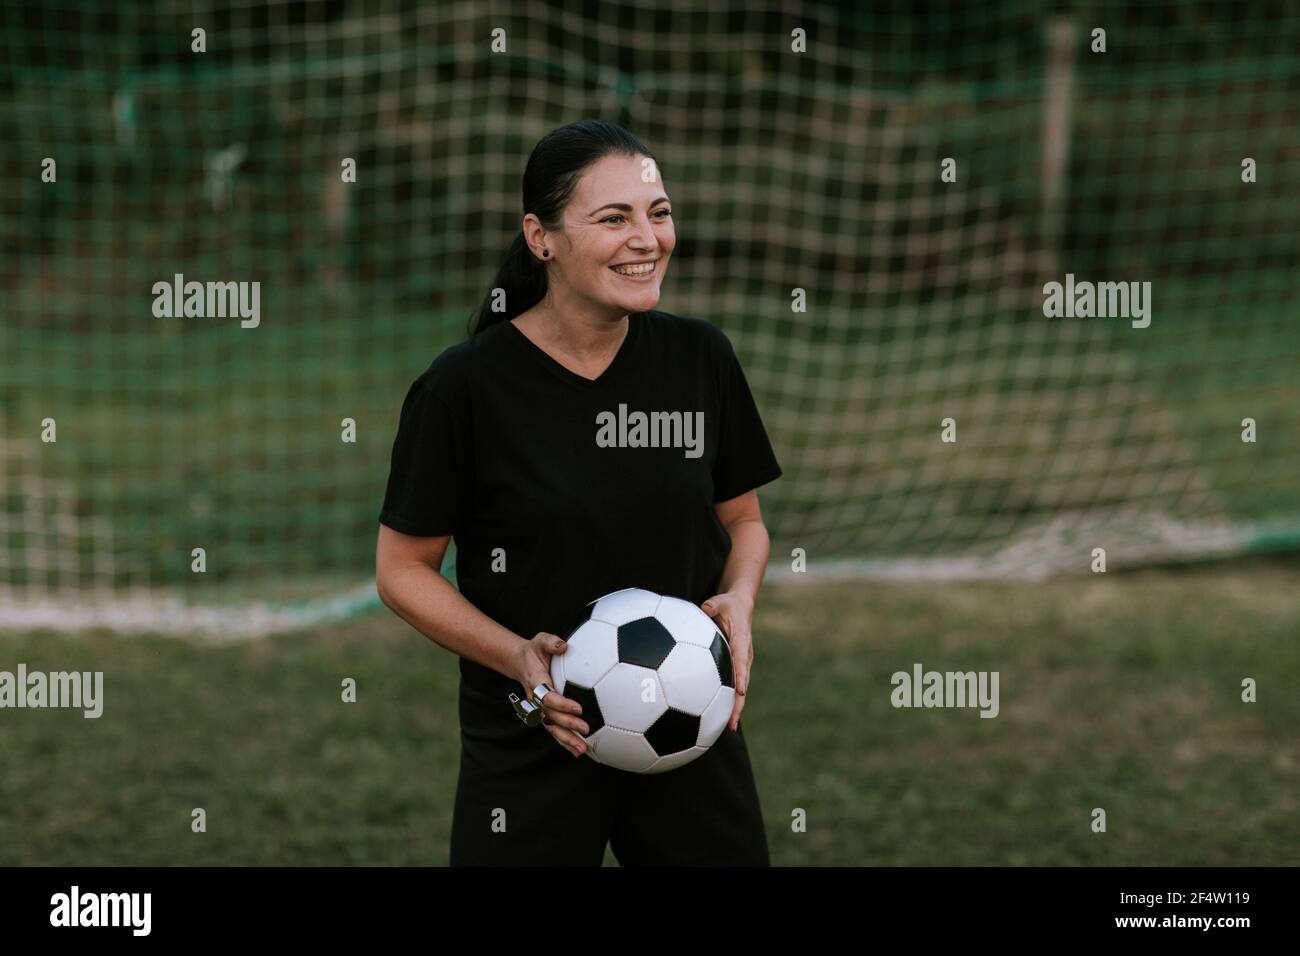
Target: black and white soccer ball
<point>653,676</point>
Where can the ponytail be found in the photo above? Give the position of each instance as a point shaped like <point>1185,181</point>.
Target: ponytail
<point>522,281</point>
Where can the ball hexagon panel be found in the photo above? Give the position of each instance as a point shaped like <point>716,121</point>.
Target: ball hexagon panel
<point>689,678</point>
<point>625,605</point>
<point>621,697</point>
<point>622,748</point>
<point>645,642</point>
<point>592,651</point>
<point>673,761</point>
<point>714,719</point>
<point>687,622</point>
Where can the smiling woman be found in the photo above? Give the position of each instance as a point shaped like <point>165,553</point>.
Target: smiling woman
<point>499,446</point>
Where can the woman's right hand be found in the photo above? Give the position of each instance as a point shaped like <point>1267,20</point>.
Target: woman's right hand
<point>533,667</point>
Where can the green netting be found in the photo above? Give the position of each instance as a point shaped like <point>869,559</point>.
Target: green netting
<point>817,171</point>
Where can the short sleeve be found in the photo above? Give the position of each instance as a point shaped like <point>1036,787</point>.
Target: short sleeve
<point>745,458</point>
<point>432,460</point>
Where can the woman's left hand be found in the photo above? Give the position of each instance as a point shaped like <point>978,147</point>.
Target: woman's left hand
<point>734,613</point>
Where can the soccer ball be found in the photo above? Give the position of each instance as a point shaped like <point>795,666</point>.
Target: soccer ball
<point>653,676</point>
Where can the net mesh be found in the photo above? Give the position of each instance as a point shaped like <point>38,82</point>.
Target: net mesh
<point>870,298</point>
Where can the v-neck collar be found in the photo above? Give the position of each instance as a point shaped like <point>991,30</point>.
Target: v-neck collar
<point>611,370</point>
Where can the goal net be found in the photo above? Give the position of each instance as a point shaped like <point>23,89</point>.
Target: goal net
<point>871,205</point>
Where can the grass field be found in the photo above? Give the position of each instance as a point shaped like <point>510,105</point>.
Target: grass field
<point>1119,691</point>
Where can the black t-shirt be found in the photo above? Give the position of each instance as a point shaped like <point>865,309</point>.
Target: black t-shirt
<point>502,447</point>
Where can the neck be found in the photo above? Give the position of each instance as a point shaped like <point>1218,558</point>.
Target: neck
<point>577,332</point>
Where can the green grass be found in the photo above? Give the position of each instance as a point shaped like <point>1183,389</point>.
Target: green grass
<point>1118,691</point>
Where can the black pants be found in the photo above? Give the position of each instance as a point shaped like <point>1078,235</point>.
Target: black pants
<point>522,799</point>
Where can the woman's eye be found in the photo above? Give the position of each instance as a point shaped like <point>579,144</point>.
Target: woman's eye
<point>661,213</point>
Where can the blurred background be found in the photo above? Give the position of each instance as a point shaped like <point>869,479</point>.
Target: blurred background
<point>816,170</point>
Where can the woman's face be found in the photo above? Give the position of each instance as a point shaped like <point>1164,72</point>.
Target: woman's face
<point>615,218</point>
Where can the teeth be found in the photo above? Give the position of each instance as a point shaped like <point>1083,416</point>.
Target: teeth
<point>638,270</point>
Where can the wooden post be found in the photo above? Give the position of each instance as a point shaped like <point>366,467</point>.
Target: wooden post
<point>1058,101</point>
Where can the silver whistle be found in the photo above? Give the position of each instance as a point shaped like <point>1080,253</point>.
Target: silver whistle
<point>530,713</point>
<point>527,711</point>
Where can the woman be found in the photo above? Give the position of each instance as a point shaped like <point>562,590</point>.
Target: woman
<point>497,446</point>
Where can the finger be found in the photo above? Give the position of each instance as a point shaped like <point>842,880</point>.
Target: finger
<point>736,708</point>
<point>567,721</point>
<point>742,665</point>
<point>551,643</point>
<point>564,711</point>
<point>568,740</point>
<point>555,703</point>
<point>553,698</point>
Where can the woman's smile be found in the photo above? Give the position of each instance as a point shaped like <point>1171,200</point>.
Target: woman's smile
<point>637,272</point>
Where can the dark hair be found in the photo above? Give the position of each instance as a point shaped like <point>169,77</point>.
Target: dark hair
<point>554,167</point>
